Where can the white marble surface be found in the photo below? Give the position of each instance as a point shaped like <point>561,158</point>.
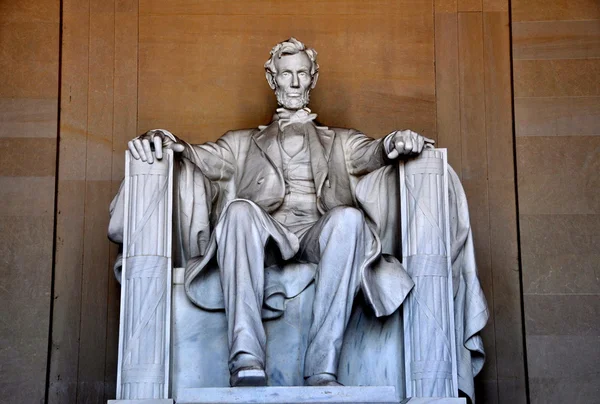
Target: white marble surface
<point>299,395</point>
<point>331,397</point>
<point>430,349</point>
<point>144,401</point>
<point>289,395</point>
<point>145,320</point>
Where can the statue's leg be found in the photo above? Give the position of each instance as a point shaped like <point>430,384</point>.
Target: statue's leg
<point>240,255</point>
<point>337,243</point>
<point>241,235</point>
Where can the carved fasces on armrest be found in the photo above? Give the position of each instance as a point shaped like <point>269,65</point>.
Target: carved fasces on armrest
<point>143,369</point>
<point>430,350</point>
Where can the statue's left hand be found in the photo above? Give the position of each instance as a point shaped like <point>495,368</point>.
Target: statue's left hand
<point>140,147</point>
<point>406,142</point>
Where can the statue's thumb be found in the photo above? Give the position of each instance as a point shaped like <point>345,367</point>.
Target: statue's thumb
<point>177,147</point>
<point>393,154</point>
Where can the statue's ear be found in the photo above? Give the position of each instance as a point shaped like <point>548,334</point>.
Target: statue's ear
<point>315,77</point>
<point>270,80</point>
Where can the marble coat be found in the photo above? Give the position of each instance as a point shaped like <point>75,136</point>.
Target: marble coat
<point>246,164</point>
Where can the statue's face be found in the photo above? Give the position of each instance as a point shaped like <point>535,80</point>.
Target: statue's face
<point>293,80</point>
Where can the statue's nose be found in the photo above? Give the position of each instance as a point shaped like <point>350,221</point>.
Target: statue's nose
<point>295,81</point>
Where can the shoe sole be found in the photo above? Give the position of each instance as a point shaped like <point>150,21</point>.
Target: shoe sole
<point>248,378</point>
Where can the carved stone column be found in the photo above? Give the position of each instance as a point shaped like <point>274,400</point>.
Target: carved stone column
<point>430,350</point>
<point>144,337</point>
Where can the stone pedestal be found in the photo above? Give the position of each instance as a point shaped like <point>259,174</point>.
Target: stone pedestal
<point>144,401</point>
<point>294,395</point>
<point>299,395</point>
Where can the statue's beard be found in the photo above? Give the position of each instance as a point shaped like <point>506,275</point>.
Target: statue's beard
<point>292,102</point>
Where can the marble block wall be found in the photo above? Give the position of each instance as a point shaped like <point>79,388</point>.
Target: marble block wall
<point>29,77</point>
<point>556,64</point>
<point>448,74</point>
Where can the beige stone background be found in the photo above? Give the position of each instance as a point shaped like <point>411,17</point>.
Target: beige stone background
<point>512,89</point>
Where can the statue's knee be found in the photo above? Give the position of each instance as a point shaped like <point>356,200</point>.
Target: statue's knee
<point>348,217</point>
<point>239,208</point>
<point>239,213</point>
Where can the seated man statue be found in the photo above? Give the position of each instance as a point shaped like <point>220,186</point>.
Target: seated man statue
<point>287,192</point>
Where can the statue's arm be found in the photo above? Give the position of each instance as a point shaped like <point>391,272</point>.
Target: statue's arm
<point>366,154</point>
<point>216,160</point>
<point>363,153</point>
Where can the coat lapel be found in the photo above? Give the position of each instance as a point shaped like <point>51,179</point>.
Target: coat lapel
<point>266,140</point>
<point>326,137</point>
<point>320,140</point>
<point>320,143</point>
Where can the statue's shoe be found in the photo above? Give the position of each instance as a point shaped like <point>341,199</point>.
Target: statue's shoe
<point>322,380</point>
<point>248,377</point>
<point>247,371</point>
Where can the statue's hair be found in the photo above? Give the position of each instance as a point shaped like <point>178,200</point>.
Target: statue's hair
<point>291,46</point>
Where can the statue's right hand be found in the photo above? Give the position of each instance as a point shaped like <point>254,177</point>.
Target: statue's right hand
<point>141,148</point>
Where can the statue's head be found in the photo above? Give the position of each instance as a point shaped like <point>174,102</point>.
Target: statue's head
<point>292,71</point>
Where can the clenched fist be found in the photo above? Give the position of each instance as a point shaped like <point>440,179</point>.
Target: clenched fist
<point>405,142</point>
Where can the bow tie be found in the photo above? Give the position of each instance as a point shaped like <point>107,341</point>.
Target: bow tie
<point>290,117</point>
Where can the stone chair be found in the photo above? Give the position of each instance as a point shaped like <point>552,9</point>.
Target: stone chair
<point>170,348</point>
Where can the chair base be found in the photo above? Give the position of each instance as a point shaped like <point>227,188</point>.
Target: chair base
<point>302,395</point>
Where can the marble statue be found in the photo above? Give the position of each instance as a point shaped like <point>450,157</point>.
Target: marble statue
<point>290,204</point>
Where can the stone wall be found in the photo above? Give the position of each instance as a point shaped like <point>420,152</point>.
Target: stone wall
<point>556,62</point>
<point>441,67</point>
<point>29,66</point>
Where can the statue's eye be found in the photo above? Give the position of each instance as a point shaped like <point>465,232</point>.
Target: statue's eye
<point>285,74</point>
<point>302,74</point>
